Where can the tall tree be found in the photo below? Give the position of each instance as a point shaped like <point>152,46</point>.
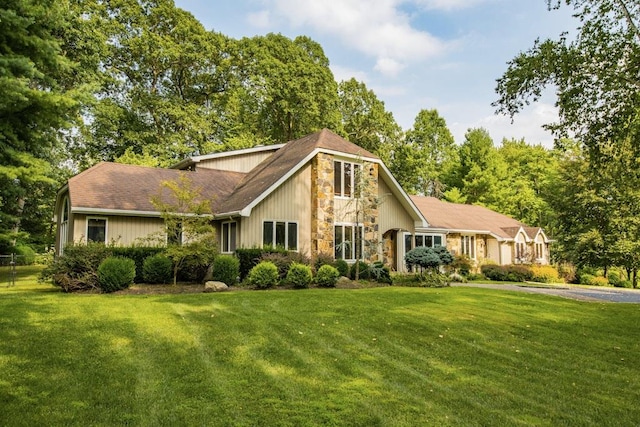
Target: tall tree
<point>35,106</point>
<point>595,74</point>
<point>481,173</point>
<point>288,89</point>
<point>427,155</point>
<point>365,120</point>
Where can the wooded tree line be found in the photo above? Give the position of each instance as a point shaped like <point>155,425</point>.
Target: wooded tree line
<point>143,82</point>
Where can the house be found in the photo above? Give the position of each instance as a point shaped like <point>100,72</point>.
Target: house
<point>478,232</point>
<point>317,194</point>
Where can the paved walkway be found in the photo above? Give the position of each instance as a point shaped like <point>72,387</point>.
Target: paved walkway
<point>568,291</point>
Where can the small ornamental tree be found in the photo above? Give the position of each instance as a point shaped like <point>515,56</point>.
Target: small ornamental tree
<point>188,219</point>
<point>429,259</point>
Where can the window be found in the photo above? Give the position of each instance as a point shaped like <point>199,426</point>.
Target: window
<point>97,230</point>
<point>229,230</point>
<point>280,234</point>
<point>428,240</point>
<point>521,252</point>
<point>539,251</point>
<point>64,225</point>
<point>468,246</point>
<point>345,178</point>
<point>348,242</point>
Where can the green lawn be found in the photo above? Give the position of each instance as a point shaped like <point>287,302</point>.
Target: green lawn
<point>381,356</point>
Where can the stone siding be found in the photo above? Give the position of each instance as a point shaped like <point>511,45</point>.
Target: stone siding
<point>322,201</point>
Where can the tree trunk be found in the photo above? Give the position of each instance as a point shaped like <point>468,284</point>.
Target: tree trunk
<point>16,226</point>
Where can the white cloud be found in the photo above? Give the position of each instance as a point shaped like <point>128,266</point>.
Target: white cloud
<point>448,5</point>
<point>377,28</point>
<point>260,19</point>
<point>343,73</point>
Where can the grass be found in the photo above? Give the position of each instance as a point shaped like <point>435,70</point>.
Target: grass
<point>382,356</point>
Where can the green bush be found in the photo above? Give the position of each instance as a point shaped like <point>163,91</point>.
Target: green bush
<point>567,272</point>
<point>429,280</point>
<point>327,276</point>
<point>599,281</point>
<point>476,276</point>
<point>25,255</point>
<point>250,257</point>
<point>323,259</point>
<point>138,254</point>
<point>624,284</point>
<point>614,277</point>
<point>461,264</point>
<point>283,260</point>
<point>226,269</point>
<point>545,274</point>
<point>193,269</point>
<point>363,271</point>
<point>342,266</point>
<point>76,270</point>
<point>157,269</point>
<point>116,273</point>
<point>587,279</point>
<point>299,275</point>
<point>507,273</point>
<point>380,273</point>
<point>264,275</point>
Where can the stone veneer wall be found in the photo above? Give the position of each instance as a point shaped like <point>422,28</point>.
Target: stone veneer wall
<point>322,212</point>
<point>371,212</point>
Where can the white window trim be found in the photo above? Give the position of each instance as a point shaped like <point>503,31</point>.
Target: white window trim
<point>353,179</point>
<point>355,227</point>
<point>64,225</point>
<point>106,227</point>
<point>286,233</point>
<point>472,247</point>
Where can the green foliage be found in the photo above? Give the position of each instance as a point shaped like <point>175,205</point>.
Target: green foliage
<point>226,269</point>
<point>624,284</point>
<point>591,280</point>
<point>264,275</point>
<point>428,258</point>
<point>250,257</point>
<point>544,274</point>
<point>614,278</point>
<point>508,273</point>
<point>76,270</point>
<point>283,260</point>
<point>139,254</point>
<point>323,259</point>
<point>567,272</point>
<point>299,275</point>
<point>25,255</point>
<point>380,273</point>
<point>429,280</point>
<point>342,266</point>
<point>461,264</point>
<point>362,269</point>
<point>116,273</point>
<point>327,276</point>
<point>157,269</point>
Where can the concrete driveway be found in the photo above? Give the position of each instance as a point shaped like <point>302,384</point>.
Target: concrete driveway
<point>622,295</point>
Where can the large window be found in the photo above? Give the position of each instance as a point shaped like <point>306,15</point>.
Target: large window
<point>229,230</point>
<point>345,178</point>
<point>428,240</point>
<point>64,226</point>
<point>348,242</point>
<point>280,234</point>
<point>539,251</point>
<point>468,246</point>
<point>97,230</point>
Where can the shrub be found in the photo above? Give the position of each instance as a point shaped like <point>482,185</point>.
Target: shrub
<point>264,275</point>
<point>226,269</point>
<point>586,279</point>
<point>193,268</point>
<point>363,271</point>
<point>157,269</point>
<point>624,284</point>
<point>519,273</point>
<point>138,254</point>
<point>494,272</point>
<point>323,259</point>
<point>567,272</point>
<point>250,257</point>
<point>428,258</point>
<point>327,276</point>
<point>429,280</point>
<point>545,274</point>
<point>380,273</point>
<point>457,277</point>
<point>599,281</point>
<point>342,266</point>
<point>76,269</point>
<point>614,278</point>
<point>116,273</point>
<point>25,255</point>
<point>507,273</point>
<point>299,275</point>
<point>461,264</point>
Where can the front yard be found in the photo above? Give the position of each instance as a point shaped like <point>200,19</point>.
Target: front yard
<point>380,356</point>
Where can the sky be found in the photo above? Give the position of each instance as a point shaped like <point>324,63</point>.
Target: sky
<point>414,54</point>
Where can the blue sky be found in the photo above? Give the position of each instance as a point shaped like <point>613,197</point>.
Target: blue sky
<point>414,54</point>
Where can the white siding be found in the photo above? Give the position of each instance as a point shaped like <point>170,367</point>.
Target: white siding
<point>392,214</point>
<point>241,163</point>
<point>122,230</point>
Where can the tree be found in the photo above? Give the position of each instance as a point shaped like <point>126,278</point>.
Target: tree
<point>595,74</point>
<point>287,89</point>
<point>427,155</point>
<point>188,222</point>
<point>365,120</point>
<point>427,258</point>
<point>481,173</point>
<point>36,107</point>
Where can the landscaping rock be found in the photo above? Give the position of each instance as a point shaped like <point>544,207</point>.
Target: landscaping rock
<point>213,286</point>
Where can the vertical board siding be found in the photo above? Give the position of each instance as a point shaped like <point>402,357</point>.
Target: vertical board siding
<point>238,163</point>
<point>290,202</point>
<point>124,231</point>
<point>392,213</point>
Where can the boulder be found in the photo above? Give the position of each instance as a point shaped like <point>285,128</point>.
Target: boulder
<point>212,286</point>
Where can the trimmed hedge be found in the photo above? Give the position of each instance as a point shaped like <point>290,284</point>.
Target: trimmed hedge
<point>264,275</point>
<point>138,254</point>
<point>226,269</point>
<point>327,276</point>
<point>116,273</point>
<point>157,269</point>
<point>250,257</point>
<point>299,275</point>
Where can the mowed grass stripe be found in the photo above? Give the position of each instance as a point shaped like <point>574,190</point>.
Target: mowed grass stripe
<point>383,356</point>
